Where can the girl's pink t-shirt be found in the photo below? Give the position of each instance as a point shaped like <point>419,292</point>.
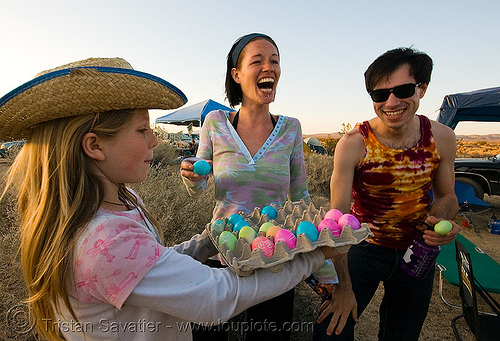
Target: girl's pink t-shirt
<point>114,253</point>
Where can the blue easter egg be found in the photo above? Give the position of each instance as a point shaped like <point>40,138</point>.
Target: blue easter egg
<point>239,224</point>
<point>234,218</point>
<point>201,167</point>
<point>270,211</point>
<point>309,230</point>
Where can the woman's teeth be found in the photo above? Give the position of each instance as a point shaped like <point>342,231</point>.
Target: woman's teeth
<point>266,84</point>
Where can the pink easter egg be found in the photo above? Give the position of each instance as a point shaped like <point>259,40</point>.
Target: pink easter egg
<point>333,214</point>
<point>349,219</point>
<point>263,244</point>
<point>287,237</point>
<point>331,225</point>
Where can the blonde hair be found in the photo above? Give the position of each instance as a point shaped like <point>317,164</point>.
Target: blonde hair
<point>58,195</point>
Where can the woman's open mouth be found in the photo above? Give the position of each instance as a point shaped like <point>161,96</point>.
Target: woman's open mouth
<point>266,84</point>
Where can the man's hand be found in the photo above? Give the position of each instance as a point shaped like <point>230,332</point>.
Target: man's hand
<point>342,304</point>
<point>435,239</point>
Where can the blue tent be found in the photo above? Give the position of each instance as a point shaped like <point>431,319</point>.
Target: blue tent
<point>478,106</point>
<point>194,114</point>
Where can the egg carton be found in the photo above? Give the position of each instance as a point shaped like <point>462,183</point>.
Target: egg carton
<point>243,260</point>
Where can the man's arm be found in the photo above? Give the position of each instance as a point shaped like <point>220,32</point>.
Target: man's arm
<point>348,154</point>
<point>445,203</point>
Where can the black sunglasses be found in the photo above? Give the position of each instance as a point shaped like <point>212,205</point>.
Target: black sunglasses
<point>400,91</point>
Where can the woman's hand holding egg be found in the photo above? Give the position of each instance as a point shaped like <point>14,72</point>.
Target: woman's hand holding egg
<point>198,172</point>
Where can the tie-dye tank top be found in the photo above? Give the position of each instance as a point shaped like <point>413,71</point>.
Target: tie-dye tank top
<point>391,187</point>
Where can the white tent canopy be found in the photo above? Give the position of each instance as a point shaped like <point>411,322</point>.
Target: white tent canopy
<point>194,114</point>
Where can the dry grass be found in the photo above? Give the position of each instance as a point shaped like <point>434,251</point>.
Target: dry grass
<point>477,148</point>
<point>183,216</point>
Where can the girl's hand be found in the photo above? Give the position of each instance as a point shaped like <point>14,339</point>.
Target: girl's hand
<point>187,169</point>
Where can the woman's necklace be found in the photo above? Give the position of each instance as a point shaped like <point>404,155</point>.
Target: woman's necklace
<point>114,203</point>
<point>237,116</point>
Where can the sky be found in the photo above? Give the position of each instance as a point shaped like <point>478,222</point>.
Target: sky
<point>325,47</point>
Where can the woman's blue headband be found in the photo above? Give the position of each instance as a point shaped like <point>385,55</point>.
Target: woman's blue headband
<point>242,42</point>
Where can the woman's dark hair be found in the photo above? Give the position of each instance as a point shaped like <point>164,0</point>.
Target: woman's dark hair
<point>385,65</point>
<point>233,90</point>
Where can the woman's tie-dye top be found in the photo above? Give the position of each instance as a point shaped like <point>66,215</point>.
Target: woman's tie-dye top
<point>276,173</point>
<point>391,187</point>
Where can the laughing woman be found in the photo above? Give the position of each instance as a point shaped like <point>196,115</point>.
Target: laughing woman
<point>257,159</point>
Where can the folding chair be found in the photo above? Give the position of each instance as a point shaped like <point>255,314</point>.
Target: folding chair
<point>484,327</point>
<point>469,203</point>
<point>486,270</point>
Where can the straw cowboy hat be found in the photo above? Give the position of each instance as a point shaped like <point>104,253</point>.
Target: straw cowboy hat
<point>88,86</point>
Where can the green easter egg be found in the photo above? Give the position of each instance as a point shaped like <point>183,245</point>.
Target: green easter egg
<point>228,239</point>
<point>443,227</point>
<point>264,227</point>
<point>248,233</point>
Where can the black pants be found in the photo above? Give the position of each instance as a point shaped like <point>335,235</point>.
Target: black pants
<point>405,302</point>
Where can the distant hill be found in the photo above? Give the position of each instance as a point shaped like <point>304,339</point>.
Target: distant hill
<point>471,138</point>
<point>487,138</point>
<point>322,135</point>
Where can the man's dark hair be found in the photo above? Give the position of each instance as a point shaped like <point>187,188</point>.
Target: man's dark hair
<point>385,65</point>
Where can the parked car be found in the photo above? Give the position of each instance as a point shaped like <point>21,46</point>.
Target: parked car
<point>483,174</point>
<point>6,147</point>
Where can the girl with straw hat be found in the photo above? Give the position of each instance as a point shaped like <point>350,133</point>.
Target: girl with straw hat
<point>92,256</point>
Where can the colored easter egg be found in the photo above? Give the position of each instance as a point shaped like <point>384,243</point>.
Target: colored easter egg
<point>309,230</point>
<point>263,244</point>
<point>333,214</point>
<point>271,232</point>
<point>270,211</point>
<point>217,226</point>
<point>239,224</point>
<point>248,233</point>
<point>264,227</point>
<point>234,218</point>
<point>443,227</point>
<point>349,219</point>
<point>228,239</point>
<point>201,167</point>
<point>331,225</point>
<point>287,237</point>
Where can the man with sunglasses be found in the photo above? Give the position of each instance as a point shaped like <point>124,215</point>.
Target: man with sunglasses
<point>388,165</point>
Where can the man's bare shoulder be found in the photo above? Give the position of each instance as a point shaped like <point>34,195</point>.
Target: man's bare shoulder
<point>353,136</point>
<point>352,145</point>
<point>442,132</point>
<point>445,139</point>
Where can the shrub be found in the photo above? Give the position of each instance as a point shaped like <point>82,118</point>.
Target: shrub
<point>13,151</point>
<point>164,153</point>
<point>12,288</point>
<point>319,171</point>
<point>330,144</point>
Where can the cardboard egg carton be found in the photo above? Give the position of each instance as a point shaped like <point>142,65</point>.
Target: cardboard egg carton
<point>243,260</point>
